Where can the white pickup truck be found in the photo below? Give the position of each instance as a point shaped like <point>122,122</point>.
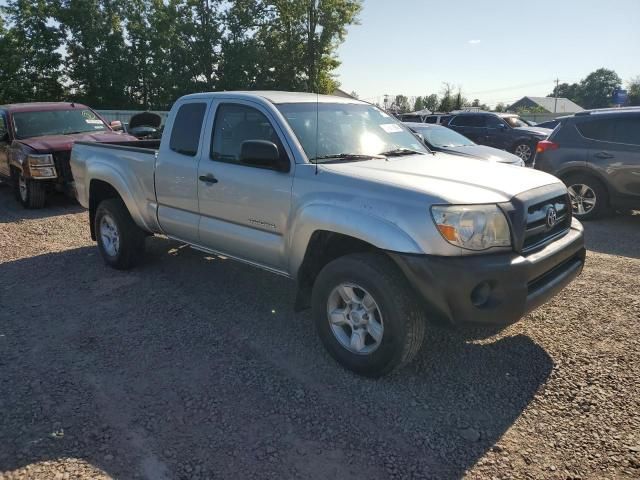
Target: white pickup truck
<point>380,233</point>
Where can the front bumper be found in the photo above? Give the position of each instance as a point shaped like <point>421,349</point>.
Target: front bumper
<point>496,289</point>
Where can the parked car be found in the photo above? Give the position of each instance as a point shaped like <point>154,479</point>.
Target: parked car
<point>443,139</point>
<point>438,118</point>
<point>35,144</point>
<point>551,124</point>
<point>597,155</point>
<point>379,233</point>
<point>505,131</point>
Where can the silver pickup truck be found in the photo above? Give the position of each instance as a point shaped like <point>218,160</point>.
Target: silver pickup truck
<point>380,233</point>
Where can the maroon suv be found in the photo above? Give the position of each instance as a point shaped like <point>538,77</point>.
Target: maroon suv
<point>36,141</point>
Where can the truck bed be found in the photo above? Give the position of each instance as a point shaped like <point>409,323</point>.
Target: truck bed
<point>127,166</point>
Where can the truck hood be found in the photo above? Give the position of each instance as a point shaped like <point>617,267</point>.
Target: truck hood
<point>61,143</point>
<point>448,178</point>
<point>485,153</point>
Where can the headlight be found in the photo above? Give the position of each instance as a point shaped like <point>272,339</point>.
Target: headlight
<point>474,227</point>
<point>40,160</point>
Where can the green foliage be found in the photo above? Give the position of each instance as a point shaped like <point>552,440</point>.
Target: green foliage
<point>447,101</point>
<point>633,90</point>
<point>147,53</point>
<point>500,107</point>
<point>401,104</point>
<point>593,91</point>
<point>431,102</point>
<point>31,41</point>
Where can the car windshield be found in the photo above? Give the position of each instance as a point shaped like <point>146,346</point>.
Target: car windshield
<point>515,122</point>
<point>348,131</point>
<point>56,122</point>
<point>443,137</point>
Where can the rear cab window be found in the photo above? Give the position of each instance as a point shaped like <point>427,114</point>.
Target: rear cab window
<point>187,126</point>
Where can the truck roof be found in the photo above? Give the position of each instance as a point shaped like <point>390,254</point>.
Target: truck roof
<point>40,106</point>
<point>278,97</point>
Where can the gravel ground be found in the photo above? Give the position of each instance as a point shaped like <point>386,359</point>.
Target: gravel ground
<point>193,367</point>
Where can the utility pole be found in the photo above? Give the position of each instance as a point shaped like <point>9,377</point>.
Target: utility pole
<point>555,104</point>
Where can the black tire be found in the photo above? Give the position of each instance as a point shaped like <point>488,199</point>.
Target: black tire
<point>530,147</point>
<point>130,245</point>
<point>601,207</point>
<point>32,194</point>
<point>403,317</point>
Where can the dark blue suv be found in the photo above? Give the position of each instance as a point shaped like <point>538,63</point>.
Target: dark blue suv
<point>505,131</point>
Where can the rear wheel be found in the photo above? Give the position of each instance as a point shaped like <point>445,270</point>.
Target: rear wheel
<point>589,197</point>
<point>366,314</point>
<point>30,193</point>
<point>120,240</point>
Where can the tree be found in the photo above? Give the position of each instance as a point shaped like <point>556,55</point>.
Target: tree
<point>447,102</point>
<point>431,102</point>
<point>401,104</point>
<point>98,61</point>
<point>596,90</point>
<point>565,90</point>
<point>418,104</point>
<point>500,107</point>
<point>633,90</point>
<point>32,34</point>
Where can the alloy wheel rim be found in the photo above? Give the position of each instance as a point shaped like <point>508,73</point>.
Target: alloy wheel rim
<point>523,151</point>
<point>110,235</point>
<point>22,187</point>
<point>583,198</point>
<point>355,319</point>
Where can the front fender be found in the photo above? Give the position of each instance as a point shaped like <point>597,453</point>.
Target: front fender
<point>365,226</point>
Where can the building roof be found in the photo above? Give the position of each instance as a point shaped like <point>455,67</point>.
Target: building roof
<point>564,104</point>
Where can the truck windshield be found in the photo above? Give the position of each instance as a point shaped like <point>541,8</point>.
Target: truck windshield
<point>348,131</point>
<point>56,122</point>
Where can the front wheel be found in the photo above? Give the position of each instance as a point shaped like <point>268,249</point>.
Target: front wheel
<point>366,314</point>
<point>524,151</point>
<point>31,194</point>
<point>120,240</point>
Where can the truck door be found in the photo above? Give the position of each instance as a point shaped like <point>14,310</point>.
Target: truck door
<point>176,174</point>
<point>4,145</point>
<point>243,209</point>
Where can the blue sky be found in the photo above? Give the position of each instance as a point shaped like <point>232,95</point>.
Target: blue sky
<point>496,50</point>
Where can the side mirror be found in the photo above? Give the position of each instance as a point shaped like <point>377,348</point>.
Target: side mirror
<point>263,154</point>
<point>502,126</point>
<point>116,125</point>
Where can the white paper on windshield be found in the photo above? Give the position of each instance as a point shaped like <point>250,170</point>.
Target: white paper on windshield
<point>94,122</point>
<point>391,127</point>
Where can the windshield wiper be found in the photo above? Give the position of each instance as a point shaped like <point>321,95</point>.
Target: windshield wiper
<point>346,156</point>
<point>396,152</point>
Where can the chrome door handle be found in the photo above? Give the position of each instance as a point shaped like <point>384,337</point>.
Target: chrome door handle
<point>603,155</point>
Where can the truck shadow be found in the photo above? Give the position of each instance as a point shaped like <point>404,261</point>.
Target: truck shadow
<point>616,235</point>
<point>192,363</point>
<point>57,204</point>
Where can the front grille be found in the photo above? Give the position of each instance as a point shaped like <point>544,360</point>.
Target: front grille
<point>537,232</point>
<point>63,167</point>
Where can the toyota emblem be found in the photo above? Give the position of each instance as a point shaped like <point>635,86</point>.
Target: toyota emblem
<point>552,217</point>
